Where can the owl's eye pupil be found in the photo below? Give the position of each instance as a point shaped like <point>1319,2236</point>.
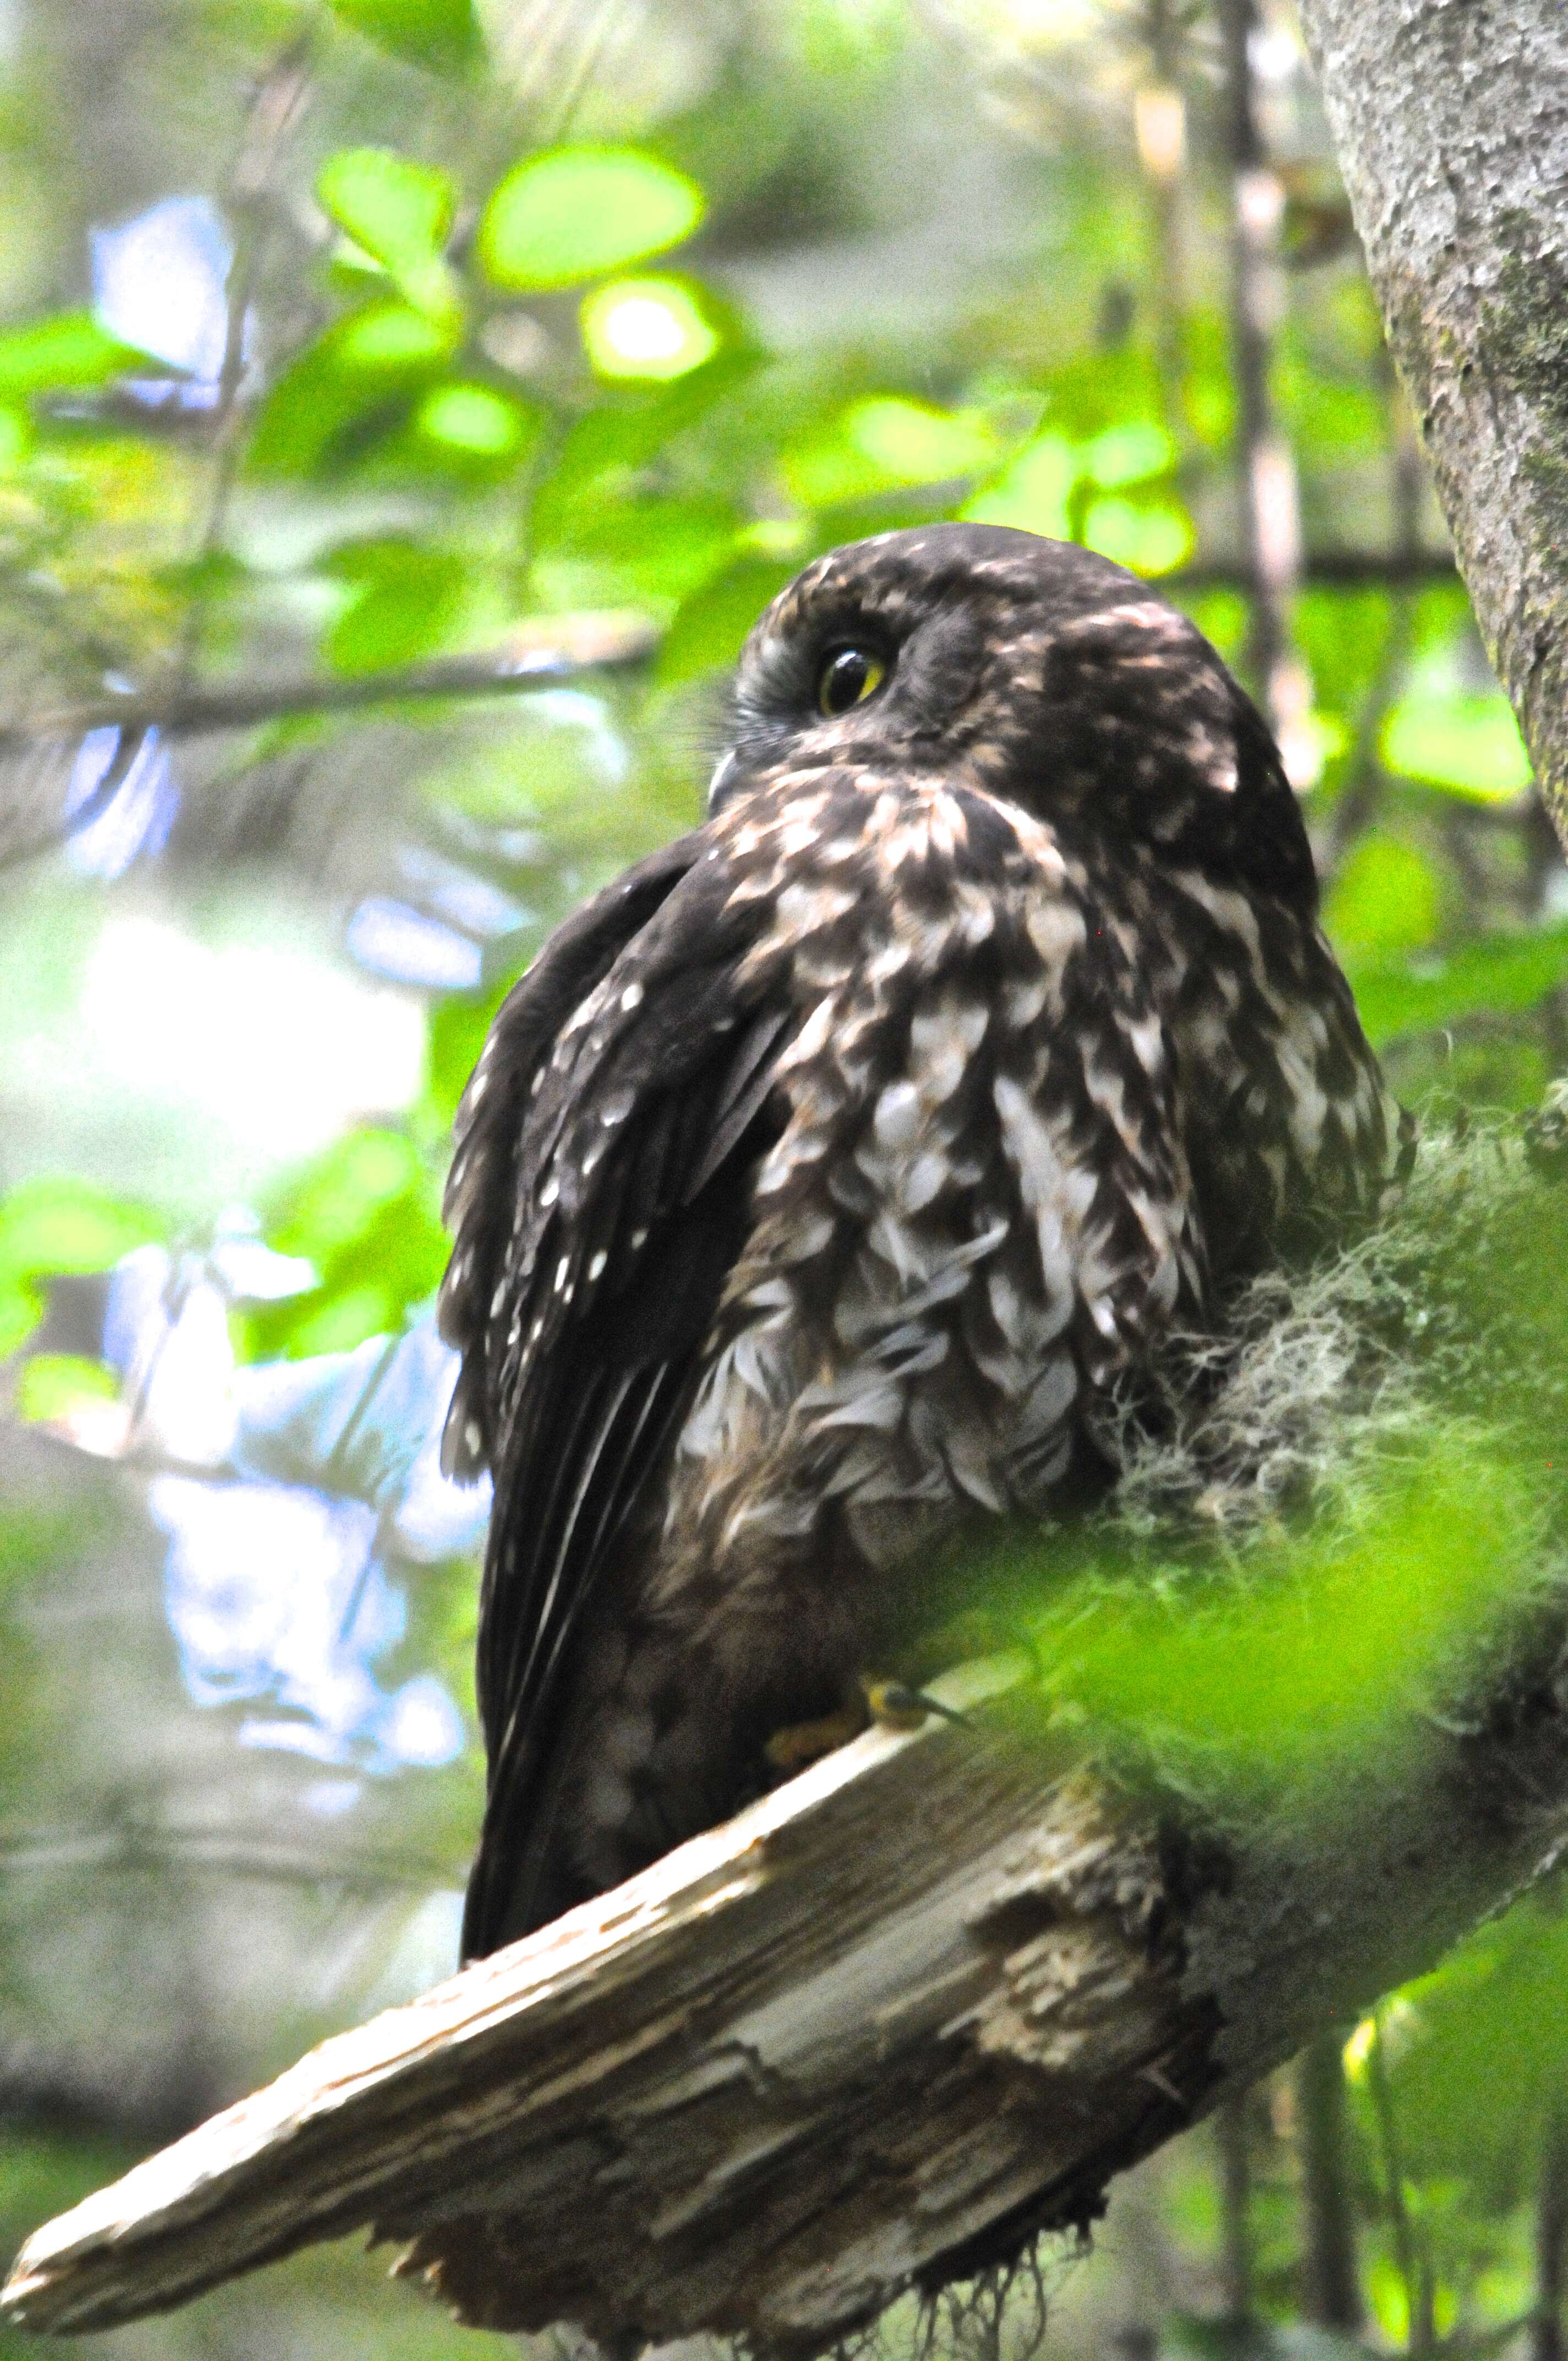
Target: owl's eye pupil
<point>848,677</point>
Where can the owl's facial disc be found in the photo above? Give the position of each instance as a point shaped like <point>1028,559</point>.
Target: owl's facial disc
<point>1028,669</point>
<point>854,671</point>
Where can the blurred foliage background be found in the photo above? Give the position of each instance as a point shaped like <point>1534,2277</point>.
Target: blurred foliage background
<point>405,408</point>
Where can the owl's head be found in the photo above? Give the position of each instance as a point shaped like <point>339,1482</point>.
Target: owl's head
<point>1028,668</point>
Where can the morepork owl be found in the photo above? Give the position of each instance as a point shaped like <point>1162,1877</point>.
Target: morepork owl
<point>827,1171</point>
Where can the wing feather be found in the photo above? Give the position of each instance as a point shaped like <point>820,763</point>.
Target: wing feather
<point>600,1194</point>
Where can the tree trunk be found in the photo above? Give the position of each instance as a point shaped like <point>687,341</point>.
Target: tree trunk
<point>1449,119</point>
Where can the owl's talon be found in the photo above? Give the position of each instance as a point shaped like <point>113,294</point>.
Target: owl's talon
<point>891,1704</point>
<point>802,1743</point>
<point>895,1706</point>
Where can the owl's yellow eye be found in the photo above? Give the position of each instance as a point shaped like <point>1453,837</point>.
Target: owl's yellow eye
<point>848,677</point>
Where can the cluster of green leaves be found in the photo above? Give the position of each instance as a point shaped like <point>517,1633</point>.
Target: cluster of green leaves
<point>366,1215</point>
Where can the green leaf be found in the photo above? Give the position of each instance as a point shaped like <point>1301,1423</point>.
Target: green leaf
<point>1150,535</point>
<point>440,34</point>
<point>1470,745</point>
<point>16,437</point>
<point>68,350</point>
<point>884,442</point>
<point>1485,2052</point>
<point>385,341</point>
<point>1386,898</point>
<point>655,549</point>
<point>629,431</point>
<point>362,372</point>
<point>1130,454</point>
<point>364,1212</point>
<point>710,627</point>
<point>458,1028</point>
<point>1501,972</point>
<point>326,1204</point>
<point>652,329</point>
<point>1308,1668</point>
<point>475,426</point>
<point>400,214</point>
<point>406,597</point>
<point>579,212</point>
<point>1033,491</point>
<point>68,1225</point>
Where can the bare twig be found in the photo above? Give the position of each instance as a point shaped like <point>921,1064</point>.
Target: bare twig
<point>1409,2249</point>
<point>1159,119</point>
<point>214,1853</point>
<point>538,655</point>
<point>1364,777</point>
<point>1233,2131</point>
<point>274,110</point>
<point>1271,521</point>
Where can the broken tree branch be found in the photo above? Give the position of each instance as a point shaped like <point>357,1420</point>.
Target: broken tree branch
<point>873,2033</point>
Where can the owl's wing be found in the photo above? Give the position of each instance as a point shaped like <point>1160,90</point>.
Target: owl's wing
<point>600,1196</point>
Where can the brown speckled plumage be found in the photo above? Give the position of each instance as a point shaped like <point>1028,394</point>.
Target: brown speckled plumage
<point>826,1171</point>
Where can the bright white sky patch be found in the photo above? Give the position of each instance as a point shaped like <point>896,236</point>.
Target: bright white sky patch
<point>274,1598</point>
<point>278,1047</point>
<point>138,815</point>
<point>158,282</point>
<point>388,937</point>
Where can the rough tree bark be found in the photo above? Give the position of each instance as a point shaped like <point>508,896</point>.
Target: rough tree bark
<point>921,2002</point>
<point>931,1995</point>
<point>1450,120</point>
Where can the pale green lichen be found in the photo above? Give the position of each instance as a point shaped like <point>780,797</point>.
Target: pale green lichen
<point>1345,1514</point>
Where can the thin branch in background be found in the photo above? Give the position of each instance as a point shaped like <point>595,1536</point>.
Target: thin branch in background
<point>593,39</point>
<point>536,655</point>
<point>1271,515</point>
<point>1458,833</point>
<point>1548,2342</point>
<point>1365,776</point>
<point>1330,2289</point>
<point>274,110</point>
<point>1331,569</point>
<point>1136,2235</point>
<point>1409,2251</point>
<point>1159,119</point>
<point>1233,2132</point>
